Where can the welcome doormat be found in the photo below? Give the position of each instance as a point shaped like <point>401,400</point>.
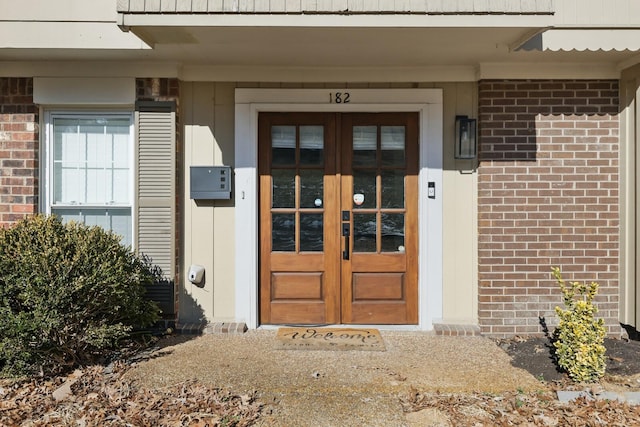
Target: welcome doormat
<point>311,338</point>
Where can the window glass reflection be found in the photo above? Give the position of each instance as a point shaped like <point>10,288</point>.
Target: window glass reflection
<point>311,188</point>
<point>311,145</point>
<point>392,144</point>
<point>364,232</point>
<point>283,232</point>
<point>283,188</point>
<point>392,232</point>
<point>283,145</point>
<point>364,189</point>
<point>311,233</point>
<point>364,145</point>
<point>393,189</point>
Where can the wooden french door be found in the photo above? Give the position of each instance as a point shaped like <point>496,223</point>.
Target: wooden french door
<point>338,218</point>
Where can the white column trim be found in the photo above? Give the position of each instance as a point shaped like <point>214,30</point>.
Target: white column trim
<point>249,102</point>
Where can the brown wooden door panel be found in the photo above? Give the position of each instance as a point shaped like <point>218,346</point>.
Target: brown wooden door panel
<point>297,281</point>
<point>298,312</point>
<point>379,262</point>
<point>378,286</point>
<point>383,313</point>
<point>369,169</point>
<point>391,297</point>
<point>288,286</point>
<point>303,262</point>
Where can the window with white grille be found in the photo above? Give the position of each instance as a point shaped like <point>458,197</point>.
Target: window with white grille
<point>89,176</point>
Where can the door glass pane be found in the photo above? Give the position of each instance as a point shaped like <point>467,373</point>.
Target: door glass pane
<point>311,145</point>
<point>364,189</point>
<point>283,145</point>
<point>364,232</point>
<point>284,188</point>
<point>283,232</point>
<point>311,232</point>
<point>392,144</point>
<point>392,232</point>
<point>393,189</point>
<point>311,189</point>
<point>364,145</point>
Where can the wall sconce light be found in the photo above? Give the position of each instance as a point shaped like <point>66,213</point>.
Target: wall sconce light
<point>466,145</point>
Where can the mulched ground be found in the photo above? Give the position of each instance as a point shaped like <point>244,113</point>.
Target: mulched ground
<point>535,355</point>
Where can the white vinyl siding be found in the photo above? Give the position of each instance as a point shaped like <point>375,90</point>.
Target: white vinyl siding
<point>156,172</point>
<point>90,173</point>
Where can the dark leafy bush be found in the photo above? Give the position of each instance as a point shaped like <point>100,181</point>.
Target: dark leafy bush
<point>68,293</point>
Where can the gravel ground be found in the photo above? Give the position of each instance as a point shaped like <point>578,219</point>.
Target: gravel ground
<point>329,388</point>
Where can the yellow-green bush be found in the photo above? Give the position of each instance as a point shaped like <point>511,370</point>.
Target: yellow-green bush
<point>579,337</point>
<point>68,293</point>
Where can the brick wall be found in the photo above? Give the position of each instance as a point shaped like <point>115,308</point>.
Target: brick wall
<point>18,150</point>
<point>157,89</point>
<point>548,196</point>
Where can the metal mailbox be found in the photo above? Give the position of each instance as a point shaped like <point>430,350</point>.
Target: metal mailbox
<point>210,182</point>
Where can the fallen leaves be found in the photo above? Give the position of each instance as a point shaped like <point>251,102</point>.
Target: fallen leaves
<point>522,409</point>
<point>99,398</point>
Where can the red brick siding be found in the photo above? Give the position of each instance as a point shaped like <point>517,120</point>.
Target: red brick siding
<point>548,196</point>
<point>18,150</point>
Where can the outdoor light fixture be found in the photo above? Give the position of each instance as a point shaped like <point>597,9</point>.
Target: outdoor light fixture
<point>466,147</point>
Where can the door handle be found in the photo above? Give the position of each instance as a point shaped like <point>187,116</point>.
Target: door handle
<point>346,233</point>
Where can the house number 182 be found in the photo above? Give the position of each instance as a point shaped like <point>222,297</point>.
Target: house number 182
<point>339,97</point>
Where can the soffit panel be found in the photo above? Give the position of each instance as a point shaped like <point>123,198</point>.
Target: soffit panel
<point>356,47</point>
<point>344,47</point>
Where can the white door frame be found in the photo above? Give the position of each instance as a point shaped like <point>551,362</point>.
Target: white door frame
<point>249,102</point>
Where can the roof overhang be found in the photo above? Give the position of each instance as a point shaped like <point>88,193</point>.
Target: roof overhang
<point>333,34</point>
<point>577,39</point>
<point>251,47</point>
<point>66,35</point>
<point>451,45</point>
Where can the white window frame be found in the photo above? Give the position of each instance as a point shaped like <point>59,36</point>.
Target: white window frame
<point>46,175</point>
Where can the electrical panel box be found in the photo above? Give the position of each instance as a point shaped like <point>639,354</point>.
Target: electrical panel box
<point>210,182</point>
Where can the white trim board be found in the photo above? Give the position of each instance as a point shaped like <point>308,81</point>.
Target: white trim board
<point>604,69</point>
<point>249,102</point>
<point>84,90</point>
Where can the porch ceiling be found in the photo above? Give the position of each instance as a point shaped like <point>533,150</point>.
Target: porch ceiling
<point>333,47</point>
<point>408,38</point>
<point>324,47</point>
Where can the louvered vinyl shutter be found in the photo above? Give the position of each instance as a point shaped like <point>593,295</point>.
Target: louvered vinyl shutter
<point>156,174</point>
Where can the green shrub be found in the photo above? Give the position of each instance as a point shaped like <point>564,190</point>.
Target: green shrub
<point>579,337</point>
<point>68,292</point>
